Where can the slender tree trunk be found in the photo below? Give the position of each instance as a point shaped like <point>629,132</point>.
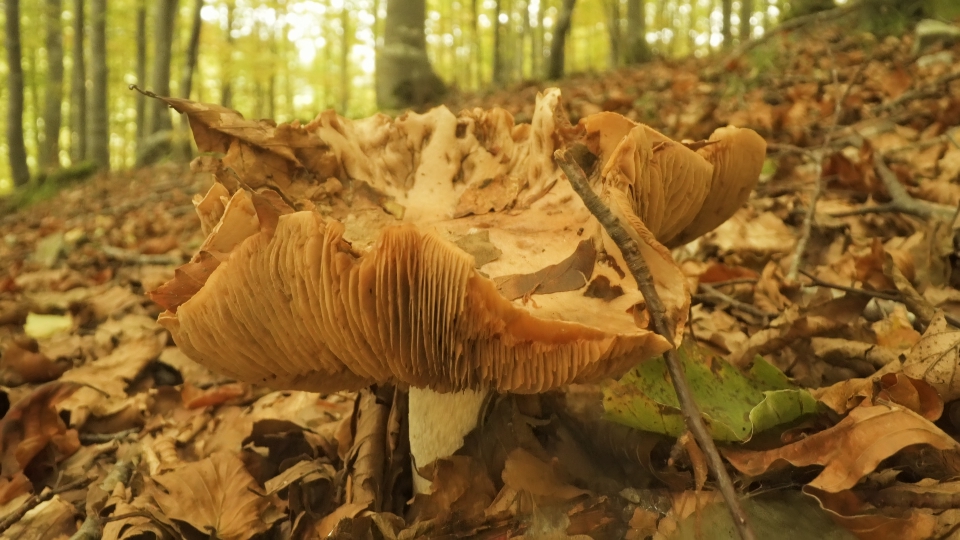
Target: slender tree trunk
<point>17,149</point>
<point>345,60</point>
<point>558,45</point>
<point>98,125</point>
<point>32,78</point>
<point>637,49</point>
<point>476,51</point>
<point>53,100</point>
<point>158,114</point>
<point>141,68</point>
<point>727,6</point>
<point>522,41</point>
<point>405,77</point>
<point>497,48</point>
<point>536,44</point>
<point>193,52</point>
<point>226,86</point>
<point>78,90</point>
<point>613,32</point>
<point>746,11</point>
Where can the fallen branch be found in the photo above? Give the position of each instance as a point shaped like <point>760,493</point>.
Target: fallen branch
<point>120,474</point>
<point>931,90</point>
<point>786,26</point>
<point>901,201</point>
<point>818,158</point>
<point>641,272</point>
<point>134,257</point>
<point>713,296</point>
<point>913,302</point>
<point>35,500</point>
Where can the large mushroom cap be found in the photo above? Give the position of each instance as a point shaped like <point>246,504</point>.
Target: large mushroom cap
<point>436,250</point>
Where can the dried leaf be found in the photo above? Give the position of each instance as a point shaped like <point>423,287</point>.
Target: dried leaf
<point>851,449</point>
<point>215,495</point>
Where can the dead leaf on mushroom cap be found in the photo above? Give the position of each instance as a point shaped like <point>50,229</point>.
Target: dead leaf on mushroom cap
<point>378,289</point>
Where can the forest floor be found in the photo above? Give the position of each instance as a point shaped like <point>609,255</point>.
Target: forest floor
<point>840,271</point>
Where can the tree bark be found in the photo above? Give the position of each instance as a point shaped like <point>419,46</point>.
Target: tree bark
<point>475,49</point>
<point>637,49</point>
<point>18,151</point>
<point>536,44</point>
<point>158,114</point>
<point>344,60</point>
<point>404,75</point>
<point>497,44</point>
<point>78,90</point>
<point>558,46</point>
<point>727,6</point>
<point>226,88</point>
<point>98,125</point>
<point>193,51</point>
<point>53,100</point>
<point>614,32</point>
<point>141,68</point>
<point>746,11</point>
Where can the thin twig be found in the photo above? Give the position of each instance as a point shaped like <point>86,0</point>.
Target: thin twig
<point>894,297</point>
<point>35,500</point>
<point>120,474</point>
<point>734,281</point>
<point>930,90</point>
<point>641,272</point>
<point>911,303</point>
<point>792,24</point>
<point>901,201</point>
<point>94,438</point>
<point>719,297</point>
<point>818,158</point>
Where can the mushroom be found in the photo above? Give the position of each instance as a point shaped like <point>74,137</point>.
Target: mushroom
<point>441,252</point>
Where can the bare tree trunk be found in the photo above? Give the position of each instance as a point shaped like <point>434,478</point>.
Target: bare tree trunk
<point>637,49</point>
<point>141,68</point>
<point>613,32</point>
<point>727,30</point>
<point>226,87</point>
<point>98,125</point>
<point>158,115</point>
<point>558,45</point>
<point>405,77</point>
<point>78,90</point>
<point>193,52</point>
<point>746,11</point>
<point>17,149</point>
<point>344,60</point>
<point>475,49</point>
<point>522,40</point>
<point>53,100</point>
<point>497,45</point>
<point>536,44</point>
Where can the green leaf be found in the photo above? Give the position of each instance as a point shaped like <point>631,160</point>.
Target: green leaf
<point>734,405</point>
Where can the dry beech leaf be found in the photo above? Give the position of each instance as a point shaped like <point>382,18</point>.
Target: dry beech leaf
<point>525,472</point>
<point>914,394</point>
<point>851,449</point>
<point>19,365</point>
<point>215,496</point>
<point>866,522</point>
<point>568,275</point>
<point>32,424</point>
<point>936,357</point>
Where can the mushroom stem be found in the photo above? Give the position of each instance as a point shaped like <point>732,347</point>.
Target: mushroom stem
<point>438,423</point>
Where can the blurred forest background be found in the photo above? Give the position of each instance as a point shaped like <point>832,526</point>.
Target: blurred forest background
<point>69,63</point>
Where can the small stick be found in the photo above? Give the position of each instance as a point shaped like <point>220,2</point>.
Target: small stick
<point>818,157</point>
<point>35,500</point>
<point>734,281</point>
<point>901,200</point>
<point>641,272</point>
<point>742,306</point>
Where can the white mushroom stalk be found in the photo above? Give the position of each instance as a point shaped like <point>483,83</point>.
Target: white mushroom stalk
<point>437,251</point>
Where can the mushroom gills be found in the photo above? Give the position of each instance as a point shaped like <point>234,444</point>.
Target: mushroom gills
<point>438,423</point>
